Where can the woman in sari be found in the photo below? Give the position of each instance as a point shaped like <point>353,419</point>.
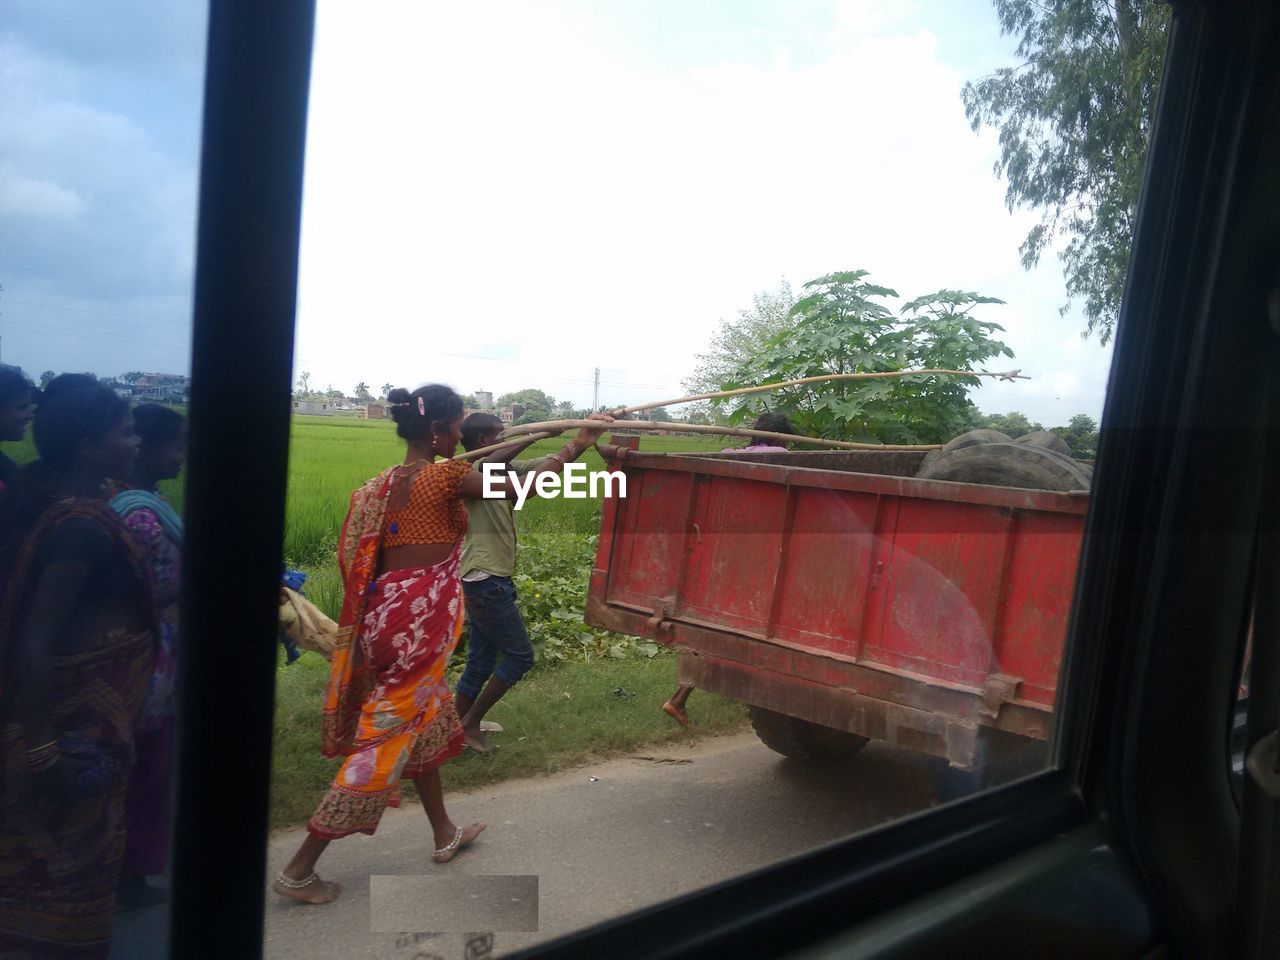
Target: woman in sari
<point>78,648</point>
<point>387,709</point>
<point>156,526</point>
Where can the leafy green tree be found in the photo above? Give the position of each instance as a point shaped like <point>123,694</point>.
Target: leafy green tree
<point>660,415</point>
<point>537,405</point>
<point>46,378</point>
<point>386,390</point>
<point>737,340</point>
<point>304,384</point>
<point>469,401</point>
<point>362,391</point>
<point>333,393</point>
<point>1081,434</point>
<point>842,326</point>
<point>1013,424</point>
<point>1075,119</point>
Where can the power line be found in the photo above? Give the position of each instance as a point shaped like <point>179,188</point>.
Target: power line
<point>98,313</point>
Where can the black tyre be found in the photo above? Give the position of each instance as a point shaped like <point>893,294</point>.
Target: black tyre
<point>802,740</point>
<point>971,439</point>
<point>1008,465</point>
<point>1047,439</point>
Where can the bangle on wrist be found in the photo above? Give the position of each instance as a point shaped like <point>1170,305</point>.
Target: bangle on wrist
<point>44,756</point>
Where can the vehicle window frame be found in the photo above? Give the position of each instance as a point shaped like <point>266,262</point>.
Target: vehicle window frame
<point>258,72</point>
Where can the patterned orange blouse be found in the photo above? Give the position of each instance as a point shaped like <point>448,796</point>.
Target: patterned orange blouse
<point>430,510</point>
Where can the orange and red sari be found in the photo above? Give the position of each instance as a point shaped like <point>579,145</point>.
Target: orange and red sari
<point>387,709</point>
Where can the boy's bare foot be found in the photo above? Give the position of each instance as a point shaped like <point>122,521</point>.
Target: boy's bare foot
<point>476,740</point>
<point>676,712</point>
<point>307,890</point>
<point>461,838</point>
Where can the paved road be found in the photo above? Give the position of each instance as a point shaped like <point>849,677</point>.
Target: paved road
<point>642,831</point>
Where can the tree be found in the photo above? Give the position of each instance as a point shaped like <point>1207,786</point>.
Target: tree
<point>841,326</point>
<point>1074,120</point>
<point>1081,434</point>
<point>469,401</point>
<point>362,391</point>
<point>46,378</point>
<point>1010,424</point>
<point>537,405</point>
<point>386,390</point>
<point>660,415</point>
<point>132,377</point>
<point>737,340</point>
<point>333,393</point>
<point>304,384</point>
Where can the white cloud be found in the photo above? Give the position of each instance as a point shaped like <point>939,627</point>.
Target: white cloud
<point>495,176</point>
<point>26,198</point>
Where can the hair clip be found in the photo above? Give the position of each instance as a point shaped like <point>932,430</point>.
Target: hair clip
<point>422,408</point>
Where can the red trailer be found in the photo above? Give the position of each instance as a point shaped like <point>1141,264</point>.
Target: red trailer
<point>844,600</point>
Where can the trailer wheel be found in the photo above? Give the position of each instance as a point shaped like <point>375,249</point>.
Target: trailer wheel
<point>1001,758</point>
<point>1022,465</point>
<point>802,740</point>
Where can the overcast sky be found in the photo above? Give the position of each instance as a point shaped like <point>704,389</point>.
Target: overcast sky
<point>510,194</point>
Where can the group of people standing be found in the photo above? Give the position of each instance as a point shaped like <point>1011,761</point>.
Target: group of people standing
<point>90,563</point>
<point>90,554</point>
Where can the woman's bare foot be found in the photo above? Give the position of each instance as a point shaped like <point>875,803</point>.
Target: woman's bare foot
<point>306,890</point>
<point>676,712</point>
<point>461,838</point>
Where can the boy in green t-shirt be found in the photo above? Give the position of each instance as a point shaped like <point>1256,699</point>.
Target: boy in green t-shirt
<point>488,562</point>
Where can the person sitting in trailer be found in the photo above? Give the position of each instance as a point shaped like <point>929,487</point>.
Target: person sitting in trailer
<point>767,423</point>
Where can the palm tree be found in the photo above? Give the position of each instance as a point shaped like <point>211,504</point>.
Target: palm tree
<point>362,391</point>
<point>386,390</point>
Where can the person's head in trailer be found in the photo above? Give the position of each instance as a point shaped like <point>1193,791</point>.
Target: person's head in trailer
<point>767,423</point>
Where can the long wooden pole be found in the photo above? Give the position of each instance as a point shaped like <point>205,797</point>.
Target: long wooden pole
<point>551,428</point>
<point>826,377</point>
<point>559,426</point>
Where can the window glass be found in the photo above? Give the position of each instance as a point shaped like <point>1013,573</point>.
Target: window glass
<point>100,119</point>
<point>816,609</point>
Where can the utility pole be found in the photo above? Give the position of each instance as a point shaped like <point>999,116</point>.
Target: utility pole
<point>595,398</point>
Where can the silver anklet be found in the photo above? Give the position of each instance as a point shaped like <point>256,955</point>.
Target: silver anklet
<point>295,884</point>
<point>457,838</point>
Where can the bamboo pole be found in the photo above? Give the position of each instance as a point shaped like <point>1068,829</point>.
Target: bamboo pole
<point>483,451</point>
<point>826,377</point>
<point>560,426</point>
<point>556,427</point>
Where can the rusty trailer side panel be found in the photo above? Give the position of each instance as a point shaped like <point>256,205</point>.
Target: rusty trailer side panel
<point>905,610</point>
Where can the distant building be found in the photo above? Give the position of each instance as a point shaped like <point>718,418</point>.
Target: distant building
<point>314,408</point>
<point>484,399</point>
<point>161,388</point>
<point>375,411</point>
<point>510,414</point>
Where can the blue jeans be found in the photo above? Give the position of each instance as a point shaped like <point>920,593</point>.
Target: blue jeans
<point>496,627</point>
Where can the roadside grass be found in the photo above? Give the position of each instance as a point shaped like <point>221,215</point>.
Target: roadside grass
<point>555,718</point>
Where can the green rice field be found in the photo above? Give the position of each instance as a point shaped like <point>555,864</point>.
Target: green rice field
<point>329,457</point>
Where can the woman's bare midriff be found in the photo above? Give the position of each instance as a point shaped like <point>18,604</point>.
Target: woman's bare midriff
<point>413,555</point>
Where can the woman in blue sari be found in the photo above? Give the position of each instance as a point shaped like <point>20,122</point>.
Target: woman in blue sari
<point>156,526</point>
